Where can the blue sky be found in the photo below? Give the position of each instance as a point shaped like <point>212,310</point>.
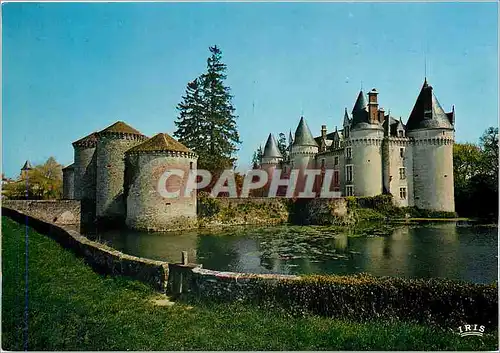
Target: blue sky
<point>73,68</point>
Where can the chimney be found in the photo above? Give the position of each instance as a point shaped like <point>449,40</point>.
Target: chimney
<point>323,131</point>
<point>381,115</point>
<point>373,106</point>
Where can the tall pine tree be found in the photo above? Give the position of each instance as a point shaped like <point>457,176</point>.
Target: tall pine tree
<point>207,120</point>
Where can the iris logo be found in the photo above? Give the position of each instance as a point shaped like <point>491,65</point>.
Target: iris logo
<point>471,330</point>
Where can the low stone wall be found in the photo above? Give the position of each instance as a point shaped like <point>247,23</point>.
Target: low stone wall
<point>102,258</point>
<point>193,280</point>
<point>64,212</point>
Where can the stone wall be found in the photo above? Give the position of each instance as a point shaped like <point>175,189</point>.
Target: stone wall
<point>65,212</point>
<point>68,183</point>
<point>100,257</point>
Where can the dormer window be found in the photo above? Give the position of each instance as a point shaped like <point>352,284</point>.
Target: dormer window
<point>401,133</point>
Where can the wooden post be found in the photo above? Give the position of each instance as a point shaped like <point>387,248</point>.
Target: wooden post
<point>184,258</point>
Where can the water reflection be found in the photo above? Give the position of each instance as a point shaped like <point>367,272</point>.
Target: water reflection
<point>438,250</point>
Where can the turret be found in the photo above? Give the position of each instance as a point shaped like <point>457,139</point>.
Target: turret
<point>303,153</point>
<point>68,182</point>
<point>432,132</point>
<point>26,168</point>
<point>110,157</point>
<point>147,206</point>
<point>271,154</point>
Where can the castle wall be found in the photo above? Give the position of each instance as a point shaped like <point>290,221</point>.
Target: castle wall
<point>146,208</point>
<point>68,183</point>
<point>393,180</point>
<point>366,148</point>
<point>433,169</point>
<point>110,164</point>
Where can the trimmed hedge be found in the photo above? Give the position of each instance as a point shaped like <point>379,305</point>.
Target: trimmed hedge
<point>365,297</point>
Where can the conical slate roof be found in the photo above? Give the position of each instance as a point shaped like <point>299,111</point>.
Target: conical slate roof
<point>360,110</point>
<point>271,149</point>
<point>121,128</point>
<point>303,136</point>
<point>161,142</point>
<point>427,112</point>
<point>347,121</point>
<point>88,141</point>
<point>69,167</point>
<point>27,166</point>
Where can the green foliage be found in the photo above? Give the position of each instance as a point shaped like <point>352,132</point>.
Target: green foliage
<point>43,182</point>
<point>206,121</point>
<point>207,206</point>
<point>282,145</point>
<point>73,308</point>
<point>363,297</point>
<point>257,157</point>
<point>476,177</point>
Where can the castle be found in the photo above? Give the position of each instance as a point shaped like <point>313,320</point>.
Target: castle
<point>115,175</point>
<point>375,153</point>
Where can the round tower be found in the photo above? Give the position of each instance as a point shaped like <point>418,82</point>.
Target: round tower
<point>432,133</point>
<point>363,151</point>
<point>303,153</point>
<point>147,206</point>
<point>84,167</point>
<point>68,182</point>
<point>112,143</point>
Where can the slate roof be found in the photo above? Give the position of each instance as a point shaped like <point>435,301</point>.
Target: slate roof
<point>161,142</point>
<point>89,140</point>
<point>360,110</point>
<point>427,112</point>
<point>121,128</point>
<point>271,149</point>
<point>303,136</point>
<point>27,166</point>
<point>69,167</point>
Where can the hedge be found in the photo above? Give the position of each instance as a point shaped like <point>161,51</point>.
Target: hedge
<point>363,297</point>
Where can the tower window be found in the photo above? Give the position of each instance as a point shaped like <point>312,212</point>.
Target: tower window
<point>336,160</point>
<point>349,190</point>
<point>401,152</point>
<point>402,173</point>
<point>402,193</point>
<point>348,173</point>
<point>336,181</point>
<point>401,133</point>
<point>190,165</point>
<point>348,152</point>
<point>323,163</point>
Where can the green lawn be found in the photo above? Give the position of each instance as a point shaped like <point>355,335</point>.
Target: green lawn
<point>73,308</point>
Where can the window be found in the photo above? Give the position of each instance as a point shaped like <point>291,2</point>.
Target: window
<point>349,190</point>
<point>336,178</point>
<point>401,152</point>
<point>336,160</point>
<point>402,193</point>
<point>191,165</point>
<point>401,133</point>
<point>402,173</point>
<point>348,173</point>
<point>348,152</point>
<point>323,163</point>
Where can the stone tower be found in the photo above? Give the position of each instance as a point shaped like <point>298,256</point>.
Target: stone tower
<point>271,156</point>
<point>303,152</point>
<point>68,182</point>
<point>147,207</point>
<point>84,167</point>
<point>363,151</point>
<point>112,142</point>
<point>432,131</point>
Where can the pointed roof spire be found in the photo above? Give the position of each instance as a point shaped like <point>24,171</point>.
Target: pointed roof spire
<point>427,112</point>
<point>290,137</point>
<point>303,136</point>
<point>271,149</point>
<point>27,165</point>
<point>360,111</point>
<point>347,121</point>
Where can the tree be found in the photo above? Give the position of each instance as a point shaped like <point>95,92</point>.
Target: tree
<point>282,145</point>
<point>489,146</point>
<point>44,181</point>
<point>207,120</point>
<point>466,162</point>
<point>257,157</point>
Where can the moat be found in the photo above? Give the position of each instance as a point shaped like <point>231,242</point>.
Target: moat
<point>448,250</point>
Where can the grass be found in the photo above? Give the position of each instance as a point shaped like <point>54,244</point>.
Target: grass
<point>73,308</point>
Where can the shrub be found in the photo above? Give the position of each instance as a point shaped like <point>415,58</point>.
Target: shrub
<point>365,297</point>
<point>207,206</point>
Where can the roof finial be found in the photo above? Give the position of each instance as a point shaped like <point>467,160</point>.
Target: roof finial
<point>361,88</point>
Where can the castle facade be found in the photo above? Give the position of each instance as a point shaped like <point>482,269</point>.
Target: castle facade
<point>374,153</point>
